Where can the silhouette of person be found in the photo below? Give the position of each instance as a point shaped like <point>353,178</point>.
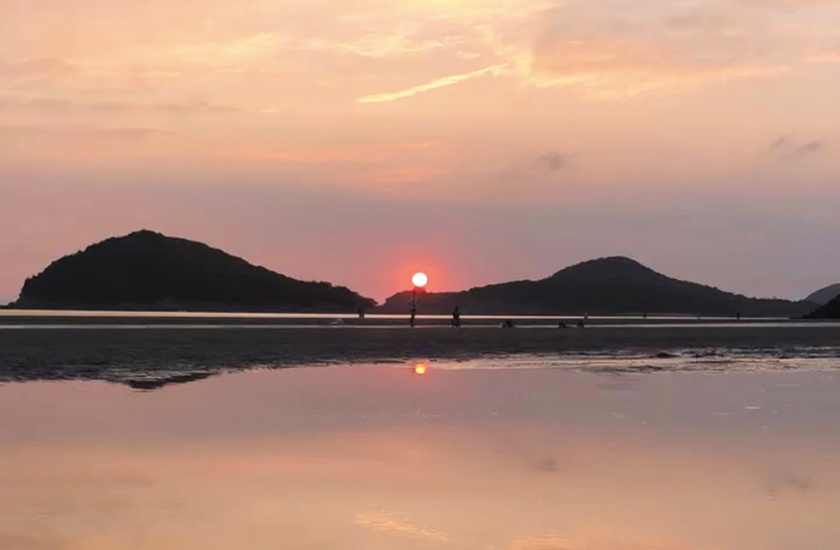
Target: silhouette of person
<point>361,313</point>
<point>738,316</point>
<point>456,317</point>
<point>413,309</point>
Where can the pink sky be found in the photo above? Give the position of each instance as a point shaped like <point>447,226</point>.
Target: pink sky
<point>481,140</point>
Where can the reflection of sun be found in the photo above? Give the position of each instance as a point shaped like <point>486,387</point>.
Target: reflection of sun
<point>421,368</point>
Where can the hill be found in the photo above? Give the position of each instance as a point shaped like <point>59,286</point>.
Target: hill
<point>606,286</point>
<point>831,310</point>
<point>825,295</point>
<point>147,270</point>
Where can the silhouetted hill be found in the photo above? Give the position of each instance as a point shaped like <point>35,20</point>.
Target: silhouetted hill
<point>825,295</point>
<point>147,270</point>
<point>831,310</point>
<point>607,286</point>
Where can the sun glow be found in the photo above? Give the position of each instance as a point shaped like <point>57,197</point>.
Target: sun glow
<point>421,368</point>
<point>420,280</point>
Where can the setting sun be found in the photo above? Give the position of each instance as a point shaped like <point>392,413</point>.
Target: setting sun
<point>421,368</point>
<point>420,280</point>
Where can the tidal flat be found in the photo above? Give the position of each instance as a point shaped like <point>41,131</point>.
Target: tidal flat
<point>144,351</point>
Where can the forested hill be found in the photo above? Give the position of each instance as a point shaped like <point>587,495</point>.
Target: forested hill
<point>831,310</point>
<point>147,270</point>
<point>825,295</point>
<point>606,286</point>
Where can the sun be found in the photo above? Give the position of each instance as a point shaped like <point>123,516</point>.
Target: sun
<point>420,280</point>
<point>421,368</point>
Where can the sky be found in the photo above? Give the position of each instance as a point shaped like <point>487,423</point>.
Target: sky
<point>357,141</point>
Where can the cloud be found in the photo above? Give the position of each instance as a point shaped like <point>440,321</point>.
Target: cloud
<point>824,56</point>
<point>379,45</point>
<point>622,80</point>
<point>159,108</point>
<point>614,50</point>
<point>494,70</point>
<point>52,105</point>
<point>696,19</point>
<point>552,161</point>
<point>610,49</point>
<point>35,68</point>
<point>210,52</point>
<point>788,148</point>
<point>127,133</point>
<point>781,483</point>
<point>385,522</point>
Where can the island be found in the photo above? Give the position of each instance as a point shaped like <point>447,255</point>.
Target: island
<point>605,286</point>
<point>146,270</point>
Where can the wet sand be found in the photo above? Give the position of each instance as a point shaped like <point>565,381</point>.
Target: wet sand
<point>379,458</point>
<point>94,352</point>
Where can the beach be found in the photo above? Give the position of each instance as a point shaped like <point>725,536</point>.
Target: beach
<point>142,348</point>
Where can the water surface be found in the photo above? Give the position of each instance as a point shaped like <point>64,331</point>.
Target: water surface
<point>379,457</point>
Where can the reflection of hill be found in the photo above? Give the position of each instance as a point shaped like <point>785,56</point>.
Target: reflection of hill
<point>825,295</point>
<point>606,286</point>
<point>150,384</point>
<point>147,270</point>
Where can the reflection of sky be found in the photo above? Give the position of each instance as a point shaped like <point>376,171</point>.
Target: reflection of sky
<point>378,457</point>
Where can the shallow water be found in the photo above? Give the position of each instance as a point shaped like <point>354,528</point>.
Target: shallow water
<point>466,456</point>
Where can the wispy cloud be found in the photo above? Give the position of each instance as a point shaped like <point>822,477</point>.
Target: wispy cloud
<point>385,522</point>
<point>75,132</point>
<point>789,148</point>
<point>50,105</point>
<point>35,68</point>
<point>494,70</point>
<point>824,56</point>
<point>379,45</point>
<point>213,53</point>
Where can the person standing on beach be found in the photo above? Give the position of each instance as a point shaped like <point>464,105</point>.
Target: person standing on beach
<point>413,309</point>
<point>456,318</point>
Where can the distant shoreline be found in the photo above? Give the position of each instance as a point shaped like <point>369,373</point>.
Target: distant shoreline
<point>11,316</point>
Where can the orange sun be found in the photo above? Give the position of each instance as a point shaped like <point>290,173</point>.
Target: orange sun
<point>420,280</point>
